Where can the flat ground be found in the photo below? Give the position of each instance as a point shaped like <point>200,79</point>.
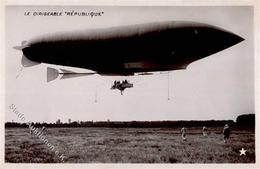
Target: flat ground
<point>128,145</point>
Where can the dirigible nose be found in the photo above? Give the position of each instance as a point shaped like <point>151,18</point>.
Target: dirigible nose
<point>216,39</point>
<point>236,38</point>
<point>227,39</point>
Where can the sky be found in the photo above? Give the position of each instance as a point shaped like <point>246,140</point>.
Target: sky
<point>218,87</point>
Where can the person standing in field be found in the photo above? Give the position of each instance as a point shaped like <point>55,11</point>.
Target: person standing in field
<point>183,133</point>
<point>204,131</point>
<point>226,132</point>
<point>42,130</point>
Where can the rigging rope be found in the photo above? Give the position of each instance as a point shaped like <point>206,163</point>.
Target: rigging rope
<point>168,85</point>
<point>20,72</point>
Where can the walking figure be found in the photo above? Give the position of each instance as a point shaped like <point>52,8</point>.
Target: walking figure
<point>42,131</point>
<point>226,132</point>
<point>183,133</point>
<point>204,131</point>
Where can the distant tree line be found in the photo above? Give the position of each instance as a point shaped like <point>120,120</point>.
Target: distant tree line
<point>241,121</point>
<point>246,120</point>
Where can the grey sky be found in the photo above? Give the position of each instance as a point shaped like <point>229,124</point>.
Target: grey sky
<point>220,86</point>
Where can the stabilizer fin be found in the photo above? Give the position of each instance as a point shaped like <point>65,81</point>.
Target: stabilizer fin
<point>28,63</point>
<point>71,75</point>
<point>52,74</point>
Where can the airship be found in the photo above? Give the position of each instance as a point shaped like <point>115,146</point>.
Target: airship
<point>127,50</point>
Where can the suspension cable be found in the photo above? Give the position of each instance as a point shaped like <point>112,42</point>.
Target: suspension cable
<point>168,85</point>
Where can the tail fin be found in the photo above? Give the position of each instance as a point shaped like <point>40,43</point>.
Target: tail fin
<point>23,45</point>
<point>28,63</point>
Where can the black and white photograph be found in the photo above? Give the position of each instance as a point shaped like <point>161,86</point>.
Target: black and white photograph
<point>129,84</point>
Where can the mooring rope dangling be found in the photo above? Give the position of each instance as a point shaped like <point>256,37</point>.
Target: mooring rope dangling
<point>96,95</point>
<point>96,92</point>
<point>97,84</point>
<point>168,85</point>
<point>20,72</point>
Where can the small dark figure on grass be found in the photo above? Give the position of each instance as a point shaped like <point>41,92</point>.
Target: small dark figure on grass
<point>226,132</point>
<point>183,133</point>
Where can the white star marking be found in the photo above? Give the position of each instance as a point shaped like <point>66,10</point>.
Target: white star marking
<point>242,151</point>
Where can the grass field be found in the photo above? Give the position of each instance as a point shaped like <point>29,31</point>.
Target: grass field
<point>129,145</point>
